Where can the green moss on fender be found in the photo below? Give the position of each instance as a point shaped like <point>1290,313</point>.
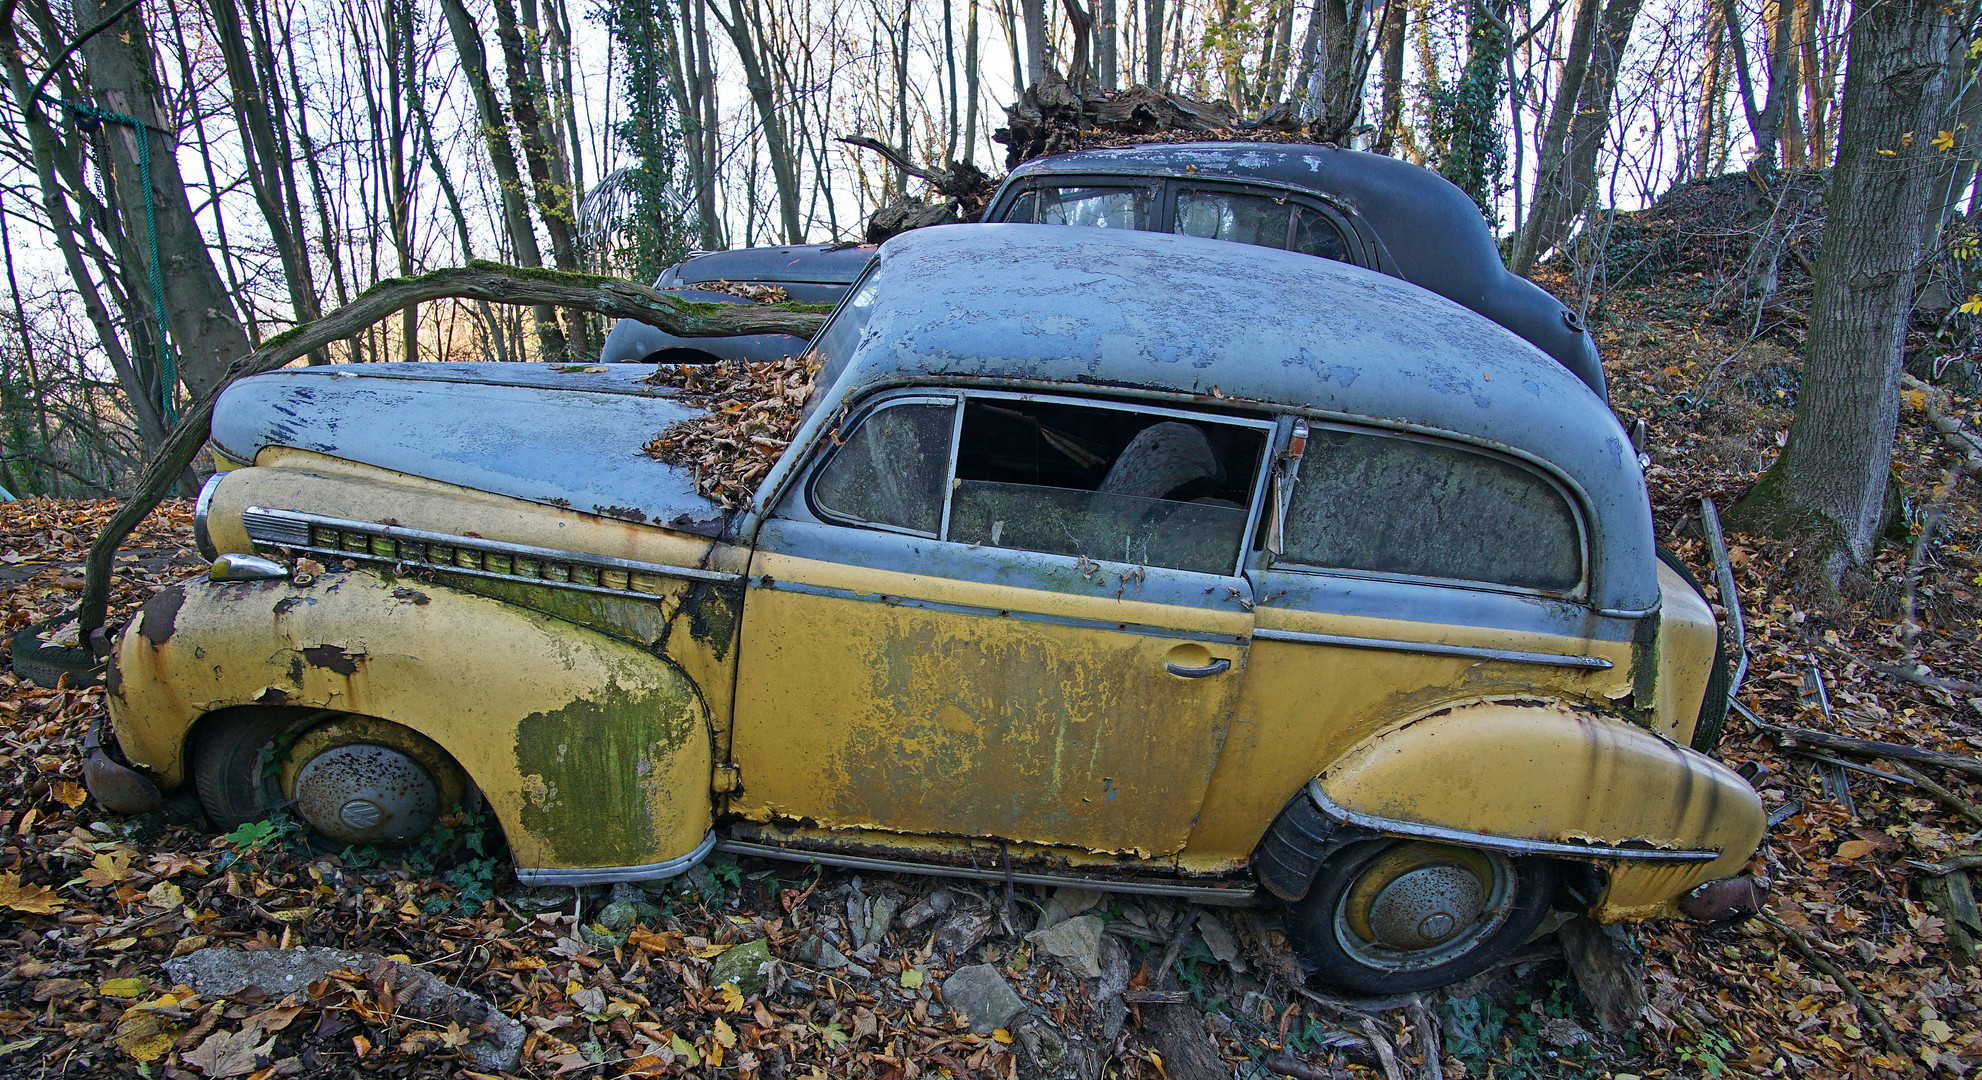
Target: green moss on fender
<point>594,769</point>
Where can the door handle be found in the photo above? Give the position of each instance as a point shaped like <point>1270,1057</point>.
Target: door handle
<point>1216,667</point>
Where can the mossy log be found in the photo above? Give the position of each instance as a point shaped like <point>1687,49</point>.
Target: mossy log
<point>491,282</point>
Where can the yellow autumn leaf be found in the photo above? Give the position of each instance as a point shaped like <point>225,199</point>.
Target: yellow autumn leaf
<point>1852,850</point>
<point>142,1035</point>
<point>69,793</point>
<point>911,978</point>
<point>1944,141</point>
<point>724,1034</point>
<point>1972,305</point>
<point>684,1054</point>
<point>1001,1035</point>
<point>123,988</point>
<point>107,869</point>
<point>1888,153</point>
<point>33,899</point>
<point>732,997</point>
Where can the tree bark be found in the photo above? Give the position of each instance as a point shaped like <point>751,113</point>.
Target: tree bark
<point>1552,157</point>
<point>742,30</point>
<point>1035,40</point>
<point>1827,489</point>
<point>492,282</point>
<point>1712,78</point>
<point>1152,44</point>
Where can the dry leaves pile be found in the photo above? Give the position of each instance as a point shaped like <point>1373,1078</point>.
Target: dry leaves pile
<point>753,410</point>
<point>753,291</point>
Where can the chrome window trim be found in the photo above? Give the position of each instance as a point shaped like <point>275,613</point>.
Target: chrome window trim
<point>294,519</point>
<point>202,541</point>
<point>1572,497</point>
<point>832,452</point>
<point>1512,656</point>
<point>1512,845</point>
<point>1142,629</point>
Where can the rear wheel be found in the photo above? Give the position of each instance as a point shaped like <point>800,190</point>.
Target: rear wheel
<point>1399,916</point>
<point>354,780</point>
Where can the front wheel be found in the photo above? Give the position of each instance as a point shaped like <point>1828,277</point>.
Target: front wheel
<point>1399,916</point>
<point>354,780</point>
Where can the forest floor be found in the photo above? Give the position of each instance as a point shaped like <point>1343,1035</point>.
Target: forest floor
<point>1852,973</point>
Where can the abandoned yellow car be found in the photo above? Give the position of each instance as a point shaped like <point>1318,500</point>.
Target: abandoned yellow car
<point>1142,562</point>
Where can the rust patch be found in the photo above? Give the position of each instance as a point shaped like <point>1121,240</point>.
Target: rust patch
<point>623,513</point>
<point>333,658</point>
<point>160,614</point>
<point>274,695</point>
<point>287,604</point>
<point>411,596</point>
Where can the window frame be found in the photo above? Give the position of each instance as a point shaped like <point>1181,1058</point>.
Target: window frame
<point>1570,496</point>
<point>1166,188</point>
<point>960,399</point>
<point>1352,244</point>
<point>1156,188</point>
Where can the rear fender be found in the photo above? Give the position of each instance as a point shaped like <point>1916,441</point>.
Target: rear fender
<point>1558,781</point>
<point>594,755</point>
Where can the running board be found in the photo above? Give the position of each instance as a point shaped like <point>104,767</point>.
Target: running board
<point>1204,894</point>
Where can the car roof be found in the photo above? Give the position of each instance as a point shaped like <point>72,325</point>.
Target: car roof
<point>825,264</point>
<point>1140,312</point>
<point>1428,230</point>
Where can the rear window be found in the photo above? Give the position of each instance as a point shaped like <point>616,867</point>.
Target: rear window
<point>1101,207</point>
<point>1259,220</point>
<point>1411,507</point>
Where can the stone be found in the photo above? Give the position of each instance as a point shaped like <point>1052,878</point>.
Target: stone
<point>534,901</point>
<point>1076,944</point>
<point>982,996</point>
<point>220,972</point>
<point>879,918</point>
<point>618,916</point>
<point>962,930</point>
<point>1068,902</point>
<point>604,942</point>
<point>927,908</point>
<point>746,965</point>
<point>1221,942</point>
<point>1044,1044</point>
<point>820,953</point>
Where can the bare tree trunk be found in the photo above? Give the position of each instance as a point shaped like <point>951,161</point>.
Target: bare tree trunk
<point>1712,78</point>
<point>1827,489</point>
<point>1391,120</point>
<point>1108,33</point>
<point>1542,227</point>
<point>199,316</point>
<point>744,29</point>
<point>1035,40</point>
<point>1152,44</point>
<point>502,159</point>
<point>526,104</point>
<point>970,76</point>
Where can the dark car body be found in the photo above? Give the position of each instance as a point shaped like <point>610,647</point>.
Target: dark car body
<point>809,273</point>
<point>1364,209</point>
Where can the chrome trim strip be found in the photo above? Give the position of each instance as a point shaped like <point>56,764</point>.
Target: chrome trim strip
<point>292,519</point>
<point>757,582</point>
<point>1730,597</point>
<point>1502,843</point>
<point>1200,894</point>
<point>275,526</point>
<point>604,875</point>
<point>1512,656</point>
<point>201,541</point>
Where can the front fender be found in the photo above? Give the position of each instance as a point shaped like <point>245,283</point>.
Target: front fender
<point>591,752</point>
<point>1543,772</point>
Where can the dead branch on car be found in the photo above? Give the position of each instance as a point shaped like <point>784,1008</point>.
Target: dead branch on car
<point>486,281</point>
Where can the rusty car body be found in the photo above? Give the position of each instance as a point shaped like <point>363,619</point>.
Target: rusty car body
<point>1078,571</point>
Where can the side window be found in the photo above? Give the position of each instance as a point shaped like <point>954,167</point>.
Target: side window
<point>1392,505</point>
<point>1259,220</point>
<point>891,470</point>
<point>1111,484</point>
<point>1102,207</point>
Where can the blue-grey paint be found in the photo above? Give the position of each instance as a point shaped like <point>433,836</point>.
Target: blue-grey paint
<point>546,433</point>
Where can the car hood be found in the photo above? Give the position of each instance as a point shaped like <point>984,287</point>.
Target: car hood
<point>565,435</point>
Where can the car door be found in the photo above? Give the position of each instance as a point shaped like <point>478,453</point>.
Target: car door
<point>1001,615</point>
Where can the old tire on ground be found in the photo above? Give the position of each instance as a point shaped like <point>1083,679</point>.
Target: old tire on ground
<point>45,665</point>
<point>353,780</point>
<point>1713,705</point>
<point>1399,916</point>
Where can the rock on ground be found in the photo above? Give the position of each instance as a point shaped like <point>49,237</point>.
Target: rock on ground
<point>747,965</point>
<point>982,996</point>
<point>1076,943</point>
<point>221,972</point>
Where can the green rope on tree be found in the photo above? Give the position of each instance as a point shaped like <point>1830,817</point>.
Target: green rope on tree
<point>167,363</point>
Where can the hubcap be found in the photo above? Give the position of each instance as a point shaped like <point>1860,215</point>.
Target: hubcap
<point>365,794</point>
<point>1420,904</point>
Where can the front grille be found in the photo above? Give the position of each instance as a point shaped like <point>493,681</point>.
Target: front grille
<point>340,539</point>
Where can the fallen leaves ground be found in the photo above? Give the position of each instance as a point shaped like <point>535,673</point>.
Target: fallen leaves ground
<point>90,905</point>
